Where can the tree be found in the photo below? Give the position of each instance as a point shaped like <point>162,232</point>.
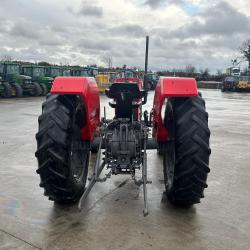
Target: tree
<point>190,69</point>
<point>6,58</point>
<point>245,51</point>
<point>204,73</point>
<point>44,64</point>
<point>219,72</point>
<point>108,60</point>
<point>201,71</point>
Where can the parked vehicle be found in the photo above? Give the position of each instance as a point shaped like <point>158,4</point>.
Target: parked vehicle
<point>70,127</point>
<point>21,83</point>
<point>230,83</point>
<point>38,76</point>
<point>84,71</point>
<point>5,88</point>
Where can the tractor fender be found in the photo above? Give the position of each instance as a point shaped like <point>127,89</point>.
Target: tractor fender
<point>87,89</point>
<point>168,87</point>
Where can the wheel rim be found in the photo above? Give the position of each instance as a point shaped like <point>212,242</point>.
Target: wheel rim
<point>78,156</point>
<point>78,161</point>
<point>13,92</point>
<point>169,156</point>
<point>169,163</point>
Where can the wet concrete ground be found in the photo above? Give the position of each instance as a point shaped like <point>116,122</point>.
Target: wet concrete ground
<point>112,216</point>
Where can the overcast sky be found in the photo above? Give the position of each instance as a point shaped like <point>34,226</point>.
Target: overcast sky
<point>198,32</point>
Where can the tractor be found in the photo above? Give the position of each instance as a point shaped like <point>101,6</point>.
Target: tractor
<point>152,80</point>
<point>66,71</point>
<point>230,83</point>
<point>20,83</point>
<point>5,87</point>
<point>244,84</point>
<point>39,78</point>
<point>70,129</point>
<point>130,74</point>
<point>53,71</point>
<point>84,71</point>
<point>112,76</point>
<point>103,81</point>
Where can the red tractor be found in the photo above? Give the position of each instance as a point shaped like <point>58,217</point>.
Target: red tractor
<point>70,128</point>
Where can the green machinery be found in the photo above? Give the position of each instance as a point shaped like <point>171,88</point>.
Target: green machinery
<point>5,87</point>
<point>44,75</point>
<point>84,71</point>
<point>54,71</point>
<point>66,71</point>
<point>153,79</point>
<point>39,76</point>
<point>21,84</point>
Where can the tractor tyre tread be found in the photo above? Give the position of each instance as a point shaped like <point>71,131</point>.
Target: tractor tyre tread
<point>44,89</point>
<point>54,150</point>
<point>19,89</point>
<point>37,91</point>
<point>7,90</point>
<point>192,151</point>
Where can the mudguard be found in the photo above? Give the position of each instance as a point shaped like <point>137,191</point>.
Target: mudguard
<point>168,87</point>
<point>87,89</point>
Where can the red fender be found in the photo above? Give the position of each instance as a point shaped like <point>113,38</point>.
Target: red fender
<point>165,88</point>
<point>85,87</point>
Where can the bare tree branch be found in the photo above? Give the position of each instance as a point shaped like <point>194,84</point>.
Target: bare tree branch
<point>245,51</point>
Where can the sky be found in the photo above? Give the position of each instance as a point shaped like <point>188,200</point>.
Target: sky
<point>205,34</point>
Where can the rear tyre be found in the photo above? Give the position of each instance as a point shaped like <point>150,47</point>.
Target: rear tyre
<point>62,156</point>
<point>44,89</point>
<point>36,89</point>
<point>186,157</point>
<point>7,93</point>
<point>18,90</point>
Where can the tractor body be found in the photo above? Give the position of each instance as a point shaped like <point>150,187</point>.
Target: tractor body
<point>230,83</point>
<point>70,128</point>
<point>103,82</point>
<point>66,71</point>
<point>125,139</point>
<point>6,90</point>
<point>153,79</point>
<point>39,79</point>
<point>84,71</point>
<point>20,83</point>
<point>244,84</point>
<point>3,89</point>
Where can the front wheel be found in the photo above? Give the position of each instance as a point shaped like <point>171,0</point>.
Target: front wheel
<point>7,92</point>
<point>17,89</point>
<point>44,89</point>
<point>62,156</point>
<point>186,157</point>
<point>36,90</point>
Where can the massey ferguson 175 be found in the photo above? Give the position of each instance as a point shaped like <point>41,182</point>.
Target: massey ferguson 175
<point>70,128</point>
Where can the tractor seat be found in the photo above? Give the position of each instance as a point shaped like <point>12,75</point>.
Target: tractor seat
<point>116,89</point>
<point>126,97</point>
